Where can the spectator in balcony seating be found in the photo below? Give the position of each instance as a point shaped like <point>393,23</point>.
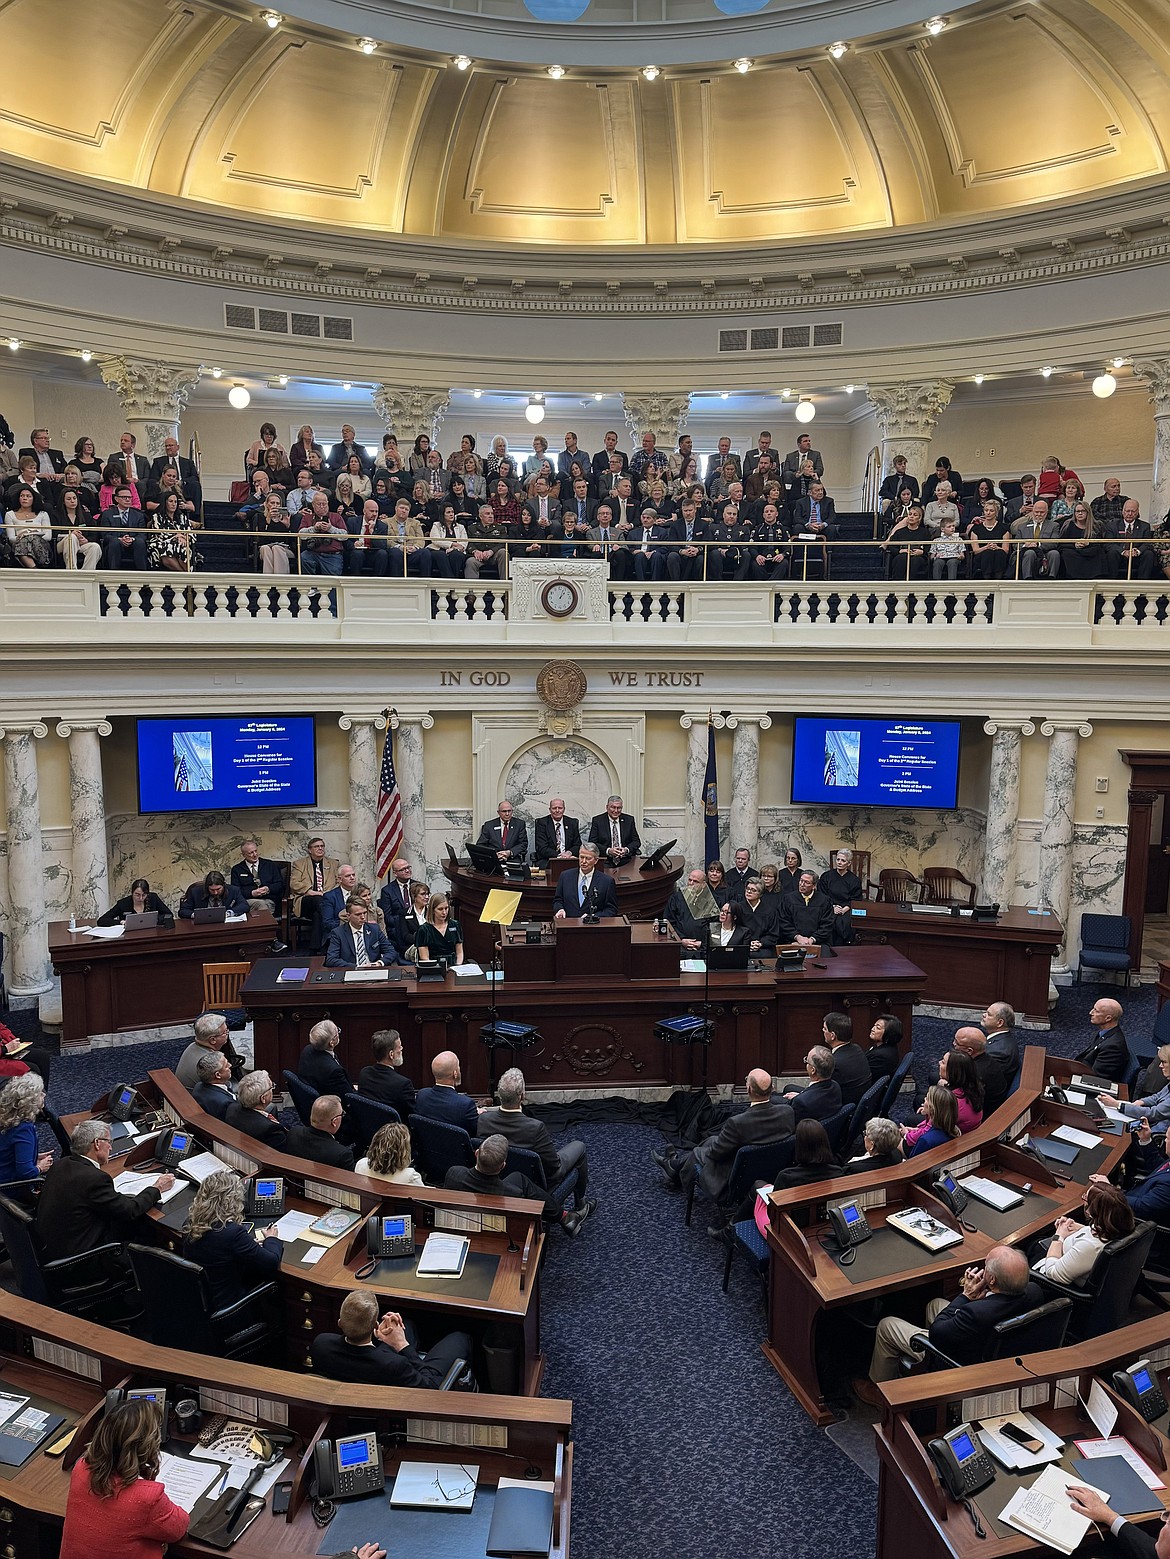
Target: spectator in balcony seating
<point>75,546</point>
<point>890,492</point>
<point>650,548</point>
<point>498,452</point>
<point>990,546</point>
<point>1071,493</point>
<point>943,472</point>
<point>795,459</point>
<point>769,556</point>
<point>345,503</point>
<point>367,551</point>
<point>648,463</point>
<point>505,504</point>
<point>112,479</point>
<point>798,485</point>
<point>347,446</point>
<point>251,510</point>
<point>28,528</point>
<point>322,537</point>
<point>607,482</point>
<point>131,465</point>
<point>301,495</point>
<point>1162,546</point>
<point>1087,557</point>
<point>571,453</point>
<point>185,473</point>
<point>730,557</point>
<point>608,539</point>
<point>1134,556</point>
<point>1023,504</point>
<point>265,445</point>
<point>765,470</point>
<point>546,473</point>
<point>624,503</point>
<point>716,464</point>
<point>49,462</point>
<point>303,450</point>
<point>720,484</point>
<point>691,533</point>
<point>942,507</point>
<point>357,469</point>
<point>169,545</point>
<point>538,456</point>
<point>435,475</point>
<point>1108,504</point>
<point>973,507</point>
<point>168,482</point>
<point>908,547</point>
<point>86,460</point>
<point>486,545</point>
<point>602,461</point>
<point>277,552</point>
<point>947,550</point>
<point>900,509</point>
<point>817,513</point>
<point>541,507</point>
<point>448,542</point>
<point>579,504</point>
<point>1053,477</point>
<point>752,459</point>
<point>123,522</point>
<point>1034,531</point>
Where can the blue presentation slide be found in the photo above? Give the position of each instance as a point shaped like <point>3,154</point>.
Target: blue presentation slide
<point>202,765</point>
<point>880,763</point>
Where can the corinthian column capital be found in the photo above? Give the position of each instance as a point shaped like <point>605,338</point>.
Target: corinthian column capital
<point>147,388</point>
<point>1155,373</point>
<point>410,410</point>
<point>909,409</point>
<point>662,413</point>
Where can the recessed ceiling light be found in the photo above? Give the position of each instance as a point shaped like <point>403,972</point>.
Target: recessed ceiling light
<point>785,394</point>
<point>477,393</point>
<point>723,395</point>
<point>837,49</point>
<point>1119,362</point>
<point>1047,373</point>
<point>935,25</point>
<point>367,45</point>
<point>271,17</point>
<point>86,355</point>
<point>978,378</point>
<point>743,65</point>
<point>462,61</point>
<point>217,373</point>
<point>651,72</point>
<point>555,71</point>
<point>282,378</point>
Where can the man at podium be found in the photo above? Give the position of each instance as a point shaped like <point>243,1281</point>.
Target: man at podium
<point>586,890</point>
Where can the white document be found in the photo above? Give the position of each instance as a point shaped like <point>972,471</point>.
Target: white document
<point>234,920</point>
<point>434,1486</point>
<point>130,1182</point>
<point>1079,1139</point>
<point>364,976</point>
<point>1012,1455</point>
<point>10,1405</point>
<point>692,965</point>
<point>1118,1445</point>
<point>185,1479</point>
<point>106,933</point>
<point>1101,1409</point>
<point>443,1255</point>
<point>1001,1197</point>
<point>461,971</point>
<point>200,1165</point>
<point>1044,1511</point>
<point>312,1257</point>
<point>294,1224</point>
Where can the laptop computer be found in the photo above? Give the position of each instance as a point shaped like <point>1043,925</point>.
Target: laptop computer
<point>210,915</point>
<point>144,922</point>
<point>729,957</point>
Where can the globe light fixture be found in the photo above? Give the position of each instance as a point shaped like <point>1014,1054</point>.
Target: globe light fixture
<point>239,397</point>
<point>805,411</point>
<point>1104,386</point>
<point>534,411</point>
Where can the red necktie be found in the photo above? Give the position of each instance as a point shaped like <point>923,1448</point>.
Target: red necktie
<point>504,836</point>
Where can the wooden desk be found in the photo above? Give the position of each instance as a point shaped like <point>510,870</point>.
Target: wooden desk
<point>968,962</point>
<point>598,1030</point>
<point>806,1282</point>
<point>145,979</point>
<point>500,1286</point>
<point>641,895</point>
<point>73,1363</point>
<point>916,1516</point>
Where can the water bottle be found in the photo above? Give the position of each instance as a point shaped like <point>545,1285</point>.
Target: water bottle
<point>72,921</point>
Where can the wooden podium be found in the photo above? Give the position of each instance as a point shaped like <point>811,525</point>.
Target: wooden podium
<point>614,950</point>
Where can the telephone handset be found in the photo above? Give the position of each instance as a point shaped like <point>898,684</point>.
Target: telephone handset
<point>345,1469</point>
<point>1138,1384</point>
<point>849,1224</point>
<point>950,1193</point>
<point>172,1146</point>
<point>123,1102</point>
<point>963,1465</point>
<point>264,1199</point>
<point>1055,1093</point>
<point>387,1238</point>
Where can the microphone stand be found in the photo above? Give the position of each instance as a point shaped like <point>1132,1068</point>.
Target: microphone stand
<point>708,1025</point>
<point>497,964</point>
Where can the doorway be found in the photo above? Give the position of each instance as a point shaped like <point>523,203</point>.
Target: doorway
<point>1147,859</point>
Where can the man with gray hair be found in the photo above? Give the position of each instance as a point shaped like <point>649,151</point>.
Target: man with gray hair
<point>80,1207</point>
<point>614,834</point>
<point>213,1093</point>
<point>999,1025</point>
<point>319,1066</point>
<point>821,1098</point>
<point>488,1179</point>
<point>252,1112</point>
<point>211,1037</point>
<point>510,1121</point>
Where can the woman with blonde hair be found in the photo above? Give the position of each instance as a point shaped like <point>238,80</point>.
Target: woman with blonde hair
<point>216,1237</point>
<point>939,1124</point>
<point>116,1506</point>
<point>21,1100</point>
<point>388,1156</point>
<point>439,936</point>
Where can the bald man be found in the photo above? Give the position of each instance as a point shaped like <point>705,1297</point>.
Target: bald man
<point>444,1102</point>
<point>768,1118</point>
<point>992,1072</point>
<point>1108,1052</point>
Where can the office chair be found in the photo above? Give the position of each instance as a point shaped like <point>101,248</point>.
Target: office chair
<point>1035,1331</point>
<point>1105,944</point>
<point>864,1110</point>
<point>179,1311</point>
<point>744,1235</point>
<point>756,1161</point>
<point>365,1117</point>
<point>303,1097</point>
<point>439,1146</point>
<point>837,1125</point>
<point>894,1087</point>
<point>1103,1301</point>
<point>526,1161</point>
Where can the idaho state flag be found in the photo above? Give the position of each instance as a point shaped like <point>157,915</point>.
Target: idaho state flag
<point>710,800</point>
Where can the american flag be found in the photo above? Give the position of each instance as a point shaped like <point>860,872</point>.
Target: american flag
<point>830,767</point>
<point>388,839</point>
<point>182,782</point>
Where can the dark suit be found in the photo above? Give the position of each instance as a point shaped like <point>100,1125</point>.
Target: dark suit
<point>601,833</point>
<point>461,1178</point>
<point>996,1080</point>
<point>271,877</point>
<point>330,908</point>
<point>851,1072</point>
<point>79,1208</point>
<point>963,1329</point>
<point>882,1061</point>
<point>256,1123</point>
<point>814,919</point>
<point>394,902</point>
<point>198,898</point>
<point>319,1146</point>
<point>546,838</point>
<point>372,558</point>
<point>342,950</point>
<point>1107,1055</point>
<point>388,1086</point>
<point>233,1261</point>
<point>715,464</point>
<point>56,458</point>
<point>769,1121</point>
<point>380,1365</point>
<point>1141,567</point>
<point>114,524</point>
<point>441,1103</point>
<point>323,1071</point>
<point>1150,1199</point>
<point>527,1132</point>
<point>188,476</point>
<point>818,1101</point>
<point>213,1099</point>
<point>601,459</point>
<point>828,515</point>
<point>341,452</point>
<point>531,507</point>
<point>491,837</point>
<point>602,893</point>
<point>141,466</point>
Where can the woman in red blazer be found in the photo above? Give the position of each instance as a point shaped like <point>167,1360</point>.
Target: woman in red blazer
<point>116,1507</point>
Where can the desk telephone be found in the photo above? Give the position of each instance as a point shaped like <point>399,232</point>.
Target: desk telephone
<point>387,1238</point>
<point>849,1224</point>
<point>123,1102</point>
<point>950,1193</point>
<point>963,1465</point>
<point>348,1468</point>
<point>1138,1384</point>
<point>156,1394</point>
<point>172,1146</point>
<point>264,1199</point>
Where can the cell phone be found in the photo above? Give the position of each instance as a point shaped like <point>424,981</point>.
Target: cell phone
<point>281,1495</point>
<point>1029,1442</point>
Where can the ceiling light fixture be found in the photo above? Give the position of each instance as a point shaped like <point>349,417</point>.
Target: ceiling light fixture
<point>838,49</point>
<point>723,395</point>
<point>849,389</point>
<point>784,394</point>
<point>651,72</point>
<point>805,410</point>
<point>462,61</point>
<point>217,373</point>
<point>599,396</point>
<point>273,18</point>
<point>743,65</point>
<point>367,45</point>
<point>935,25</point>
<point>1046,372</point>
<point>347,385</point>
<point>978,378</point>
<point>1104,386</point>
<point>86,356</point>
<point>555,71</point>
<point>239,396</point>
<point>282,379</point>
<point>477,393</point>
<point>1119,362</point>
<point>534,411</point>
<point>14,343</point>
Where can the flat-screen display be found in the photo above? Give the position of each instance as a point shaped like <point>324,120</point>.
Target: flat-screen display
<point>197,764</point>
<point>849,760</point>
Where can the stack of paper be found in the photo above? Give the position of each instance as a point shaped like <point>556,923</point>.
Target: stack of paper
<point>1012,1455</point>
<point>293,1225</point>
<point>1079,1139</point>
<point>443,1255</point>
<point>1044,1513</point>
<point>185,1480</point>
<point>106,933</point>
<point>130,1182</point>
<point>461,971</point>
<point>1001,1197</point>
<point>200,1165</point>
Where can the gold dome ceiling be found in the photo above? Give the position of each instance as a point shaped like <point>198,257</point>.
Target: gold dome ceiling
<point>1016,107</point>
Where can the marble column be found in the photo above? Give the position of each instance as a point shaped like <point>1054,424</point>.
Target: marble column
<point>28,928</point>
<point>1003,809</point>
<point>662,413</point>
<point>152,396</point>
<point>364,766</point>
<point>87,811</point>
<point>1056,836</point>
<point>694,835</point>
<point>744,823</point>
<point>1156,373</point>
<point>907,415</point>
<point>409,411</point>
<point>408,764</point>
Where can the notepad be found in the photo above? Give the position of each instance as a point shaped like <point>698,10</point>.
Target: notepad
<point>434,1486</point>
<point>130,1182</point>
<point>1043,1511</point>
<point>1001,1197</point>
<point>199,1166</point>
<point>443,1256</point>
<point>522,1518</point>
<point>1081,1139</point>
<point>917,1224</point>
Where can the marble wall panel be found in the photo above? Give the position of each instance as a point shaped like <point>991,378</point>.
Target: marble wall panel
<point>1098,871</point>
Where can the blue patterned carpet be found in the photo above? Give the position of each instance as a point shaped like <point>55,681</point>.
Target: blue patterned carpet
<point>686,1441</point>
